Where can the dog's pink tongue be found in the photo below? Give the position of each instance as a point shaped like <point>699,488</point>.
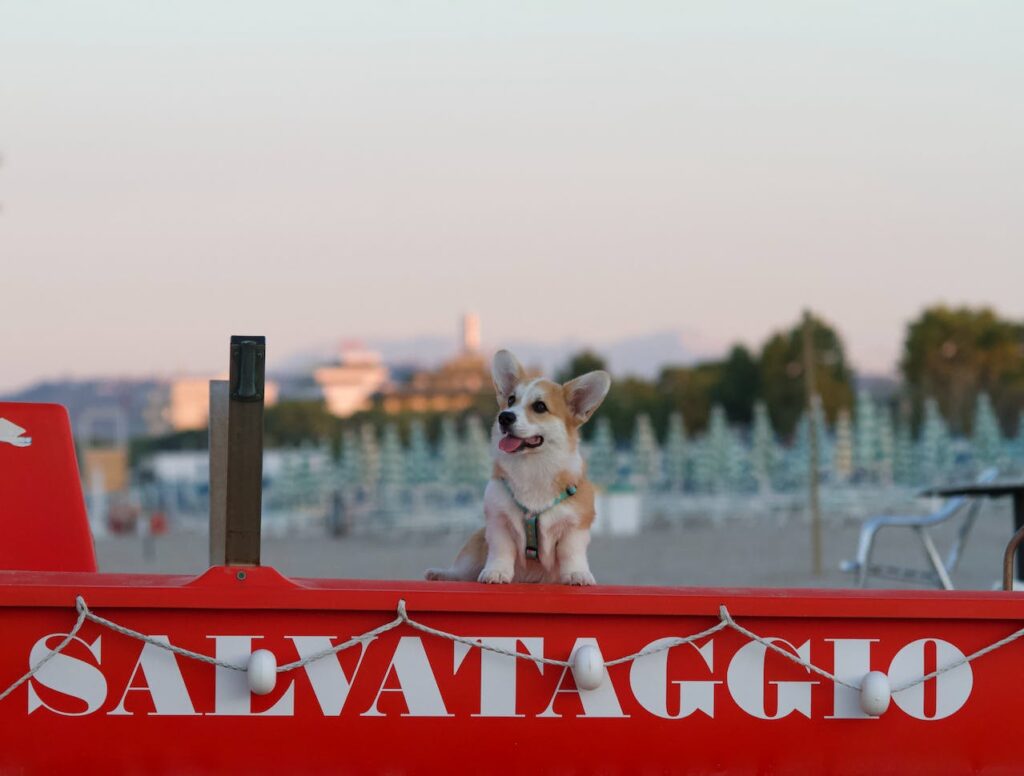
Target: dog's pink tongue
<point>509,443</point>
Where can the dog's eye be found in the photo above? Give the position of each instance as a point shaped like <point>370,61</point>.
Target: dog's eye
<point>511,400</point>
<point>539,406</point>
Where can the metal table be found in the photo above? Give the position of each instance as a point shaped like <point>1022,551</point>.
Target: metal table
<point>996,490</point>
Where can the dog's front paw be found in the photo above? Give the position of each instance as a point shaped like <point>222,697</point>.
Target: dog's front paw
<point>494,577</point>
<point>578,578</point>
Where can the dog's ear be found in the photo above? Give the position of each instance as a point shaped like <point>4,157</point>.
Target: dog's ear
<point>507,373</point>
<point>585,394</point>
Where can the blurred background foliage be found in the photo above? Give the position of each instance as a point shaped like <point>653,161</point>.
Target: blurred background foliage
<point>951,355</point>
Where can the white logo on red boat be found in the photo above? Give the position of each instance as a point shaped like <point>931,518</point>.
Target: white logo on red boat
<point>12,434</point>
<point>77,682</point>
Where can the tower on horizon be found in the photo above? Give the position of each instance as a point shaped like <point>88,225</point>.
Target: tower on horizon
<point>470,333</point>
<point>459,384</point>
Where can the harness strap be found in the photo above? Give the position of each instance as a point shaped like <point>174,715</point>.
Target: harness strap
<point>531,519</point>
<point>532,537</point>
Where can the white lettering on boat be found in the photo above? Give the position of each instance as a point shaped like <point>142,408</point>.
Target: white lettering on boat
<point>671,684</point>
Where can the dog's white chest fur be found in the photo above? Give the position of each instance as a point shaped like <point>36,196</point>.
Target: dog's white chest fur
<point>554,521</point>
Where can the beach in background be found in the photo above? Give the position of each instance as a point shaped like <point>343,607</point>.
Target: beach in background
<point>731,553</point>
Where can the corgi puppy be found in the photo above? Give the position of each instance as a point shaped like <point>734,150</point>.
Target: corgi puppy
<point>538,505</point>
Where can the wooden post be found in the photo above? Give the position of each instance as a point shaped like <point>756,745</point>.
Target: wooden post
<point>219,393</point>
<point>244,479</point>
<point>812,429</point>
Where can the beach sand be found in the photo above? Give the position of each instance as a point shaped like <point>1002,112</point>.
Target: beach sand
<point>737,553</point>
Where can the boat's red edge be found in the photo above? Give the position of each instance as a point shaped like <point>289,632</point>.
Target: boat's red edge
<point>264,588</point>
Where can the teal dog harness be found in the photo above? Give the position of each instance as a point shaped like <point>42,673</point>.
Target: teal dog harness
<point>530,518</point>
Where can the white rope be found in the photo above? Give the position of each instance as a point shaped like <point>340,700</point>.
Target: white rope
<point>728,620</point>
<point>547,660</point>
<point>962,661</point>
<point>725,621</point>
<point>84,611</point>
<point>350,643</point>
<point>667,645</point>
<point>404,617</point>
<point>32,671</point>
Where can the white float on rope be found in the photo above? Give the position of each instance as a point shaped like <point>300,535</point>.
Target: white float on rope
<point>588,667</point>
<point>875,693</point>
<point>262,671</point>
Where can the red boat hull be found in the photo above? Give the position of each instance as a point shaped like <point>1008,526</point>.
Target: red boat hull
<point>409,702</point>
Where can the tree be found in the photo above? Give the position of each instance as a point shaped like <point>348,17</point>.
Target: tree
<point>419,462</point>
<point>601,466</point>
<point>764,454</point>
<point>579,364</point>
<point>392,459</point>
<point>687,390</point>
<point>646,455</point>
<point>142,447</point>
<point>328,473</point>
<point>290,423</point>
<point>719,463</point>
<point>305,482</point>
<point>952,355</point>
<point>866,432</point>
<point>738,386</point>
<point>369,455</point>
<point>782,375</point>
<point>987,440</point>
<point>842,462</point>
<point>676,452</point>
<point>476,453</point>
<point>448,450</point>
<point>935,456</point>
<point>283,491</point>
<point>799,455</point>
<point>351,460</point>
<point>903,463</point>
<point>627,399</point>
<point>1018,443</point>
<point>886,445</point>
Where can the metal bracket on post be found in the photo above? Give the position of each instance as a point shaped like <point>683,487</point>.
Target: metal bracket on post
<point>243,492</point>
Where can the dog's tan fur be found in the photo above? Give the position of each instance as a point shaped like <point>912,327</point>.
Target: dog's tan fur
<point>496,553</point>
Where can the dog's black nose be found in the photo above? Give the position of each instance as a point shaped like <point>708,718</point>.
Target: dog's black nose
<point>506,419</point>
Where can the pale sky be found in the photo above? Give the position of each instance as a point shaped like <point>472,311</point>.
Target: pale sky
<point>177,172</point>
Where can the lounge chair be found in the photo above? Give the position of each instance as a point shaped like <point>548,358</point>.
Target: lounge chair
<point>939,574</point>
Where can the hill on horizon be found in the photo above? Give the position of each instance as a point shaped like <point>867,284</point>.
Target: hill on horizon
<point>642,355</point>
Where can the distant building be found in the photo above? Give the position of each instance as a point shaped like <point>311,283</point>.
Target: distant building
<point>105,470</point>
<point>109,409</point>
<point>116,410</point>
<point>453,387</point>
<point>184,402</point>
<point>187,403</point>
<point>348,387</point>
